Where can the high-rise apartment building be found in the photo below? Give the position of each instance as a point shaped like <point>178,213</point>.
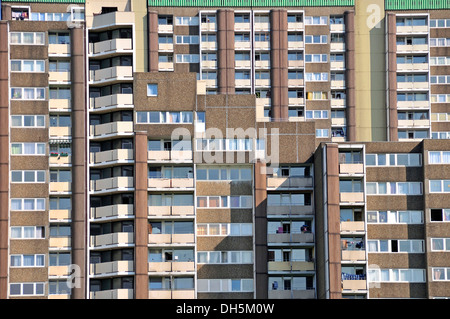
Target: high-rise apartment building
<point>224,149</point>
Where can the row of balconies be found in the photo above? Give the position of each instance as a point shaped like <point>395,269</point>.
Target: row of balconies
<point>292,294</point>
<point>111,47</point>
<point>402,48</point>
<point>111,74</point>
<point>152,294</point>
<point>171,183</point>
<point>112,128</point>
<point>290,266</point>
<point>289,182</point>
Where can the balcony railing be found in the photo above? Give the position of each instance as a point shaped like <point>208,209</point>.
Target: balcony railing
<point>171,183</point>
<point>111,183</point>
<point>171,238</point>
<point>122,127</point>
<point>171,294</point>
<point>356,197</point>
<point>291,265</point>
<point>120,266</point>
<point>351,168</point>
<point>292,294</point>
<point>290,210</point>
<point>119,210</point>
<point>289,182</point>
<point>109,101</point>
<point>119,155</point>
<point>170,266</point>
<point>170,210</point>
<point>291,238</point>
<point>100,21</point>
<point>59,49</point>
<point>111,46</point>
<point>59,215</point>
<point>114,73</point>
<point>163,156</point>
<point>113,294</point>
<point>112,239</point>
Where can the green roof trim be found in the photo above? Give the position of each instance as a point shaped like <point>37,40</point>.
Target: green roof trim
<point>251,3</point>
<point>45,1</point>
<point>416,4</point>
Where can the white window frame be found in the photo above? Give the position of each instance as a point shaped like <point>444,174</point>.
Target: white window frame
<point>392,279</point>
<point>445,244</point>
<point>322,114</point>
<point>441,157</point>
<point>151,89</point>
<point>35,63</point>
<point>36,147</point>
<point>37,202</point>
<point>390,186</point>
<point>22,234</point>
<point>23,172</point>
<point>242,200</point>
<point>22,90</point>
<point>41,35</point>
<point>322,133</point>
<point>190,21</point>
<point>35,120</point>
<point>393,217</point>
<point>411,243</point>
<point>242,227</point>
<point>35,285</point>
<point>229,258</point>
<point>446,271</point>
<point>388,159</point>
<point>22,256</point>
<point>442,189</point>
<point>225,285</point>
<point>309,20</point>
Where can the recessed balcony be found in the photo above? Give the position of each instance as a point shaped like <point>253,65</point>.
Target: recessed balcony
<point>265,64</point>
<point>290,266</point>
<point>113,294</point>
<point>356,197</point>
<point>354,285</point>
<point>111,19</point>
<point>60,187</point>
<point>112,267</point>
<point>414,123</point>
<point>119,239</point>
<point>157,211</point>
<point>59,243</point>
<point>59,215</point>
<point>337,46</point>
<point>336,27</point>
<point>182,183</point>
<point>164,156</point>
<point>296,64</point>
<point>109,47</point>
<point>290,210</point>
<point>112,183</point>
<point>337,65</point>
<point>296,101</point>
<point>58,271</point>
<point>242,26</point>
<point>291,238</point>
<point>60,160</point>
<point>412,85</point>
<point>262,45</point>
<point>402,48</point>
<point>169,239</point>
<point>292,294</point>
<point>261,26</point>
<point>59,105</point>
<point>112,128</point>
<point>243,83</point>
<point>352,226</point>
<point>59,77</point>
<point>59,49</point>
<point>171,294</point>
<point>294,45</point>
<point>170,266</point>
<point>353,255</point>
<point>289,182</point>
<point>351,168</point>
<point>165,28</point>
<point>112,74</point>
<point>242,64</point>
<point>412,29</point>
<point>205,45</point>
<point>59,132</point>
<point>165,66</point>
<point>112,211</point>
<point>413,104</point>
<point>295,26</point>
<point>111,101</point>
<point>117,155</point>
<point>412,67</point>
<point>208,27</point>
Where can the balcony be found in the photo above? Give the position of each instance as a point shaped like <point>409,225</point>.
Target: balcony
<point>403,48</point>
<point>208,27</point>
<point>292,294</point>
<point>357,197</point>
<point>117,155</point>
<point>294,45</point>
<point>244,64</point>
<point>113,294</point>
<point>337,46</point>
<point>112,128</point>
<point>242,26</point>
<point>289,182</point>
<point>158,211</point>
<point>109,47</point>
<point>111,101</point>
<point>208,45</point>
<point>164,156</point>
<point>168,239</point>
<point>243,83</point>
<point>59,49</point>
<point>354,285</point>
<point>112,211</point>
<point>60,160</point>
<point>59,132</point>
<point>211,83</point>
<point>209,64</point>
<point>262,64</point>
<point>59,215</point>
<point>182,183</point>
<point>412,29</point>
<point>60,187</point>
<point>351,168</point>
<point>289,210</point>
<point>261,26</point>
<point>414,123</point>
<point>112,183</point>
<point>412,67</point>
<point>290,266</point>
<point>165,47</point>
<point>58,271</point>
<point>262,82</point>
<point>169,266</point>
<point>59,243</point>
<point>171,294</point>
<point>296,64</point>
<point>165,66</point>
<point>337,84</point>
<point>109,20</point>
<point>165,28</point>
<point>296,101</point>
<point>295,26</point>
<point>336,27</point>
<point>352,226</point>
<point>59,77</point>
<point>262,45</point>
<point>412,85</point>
<point>120,239</point>
<point>353,255</point>
<point>413,104</point>
<point>62,105</point>
<point>337,65</point>
<point>295,82</point>
<point>290,238</point>
<point>112,74</point>
<point>338,102</point>
<point>112,267</point>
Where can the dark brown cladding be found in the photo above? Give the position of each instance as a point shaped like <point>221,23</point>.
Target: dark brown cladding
<point>225,51</point>
<point>4,160</point>
<point>79,159</point>
<point>261,257</point>
<point>141,217</point>
<point>279,64</point>
<point>350,74</point>
<point>152,41</point>
<point>392,77</point>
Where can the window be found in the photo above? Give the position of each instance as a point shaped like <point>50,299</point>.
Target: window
<point>239,202</point>
<point>27,38</point>
<point>209,56</point>
<point>27,176</point>
<point>225,285</point>
<point>440,215</point>
<point>440,135</point>
<point>316,39</point>
<point>241,18</point>
<point>337,38</point>
<point>439,186</point>
<point>224,173</point>
<point>322,133</point>
<point>187,58</point>
<point>27,121</point>
<point>209,18</point>
<point>418,40</point>
<point>225,257</point>
<point>440,60</point>
<point>165,20</point>
<point>413,134</point>
<point>27,148</point>
<point>26,289</point>
<point>59,66</point>
<point>335,19</point>
<point>409,159</point>
<point>171,200</point>
<point>152,89</point>
<point>28,260</point>
<point>263,37</point>
<point>27,93</point>
<point>411,21</point>
<point>396,246</point>
<point>317,95</point>
<point>188,39</point>
<point>224,144</point>
<point>59,93</point>
<point>62,203</point>
<point>309,20</point>
<point>27,232</point>
<point>295,37</point>
<point>186,21</point>
<point>440,98</point>
<point>395,217</point>
<point>287,199</point>
<point>169,227</point>
<point>440,23</point>
<point>58,38</point>
<point>27,204</point>
<point>439,42</point>
<point>59,121</point>
<point>261,18</point>
<point>317,114</point>
<point>316,58</point>
<point>396,275</point>
<point>61,176</point>
<point>58,287</point>
<point>60,231</point>
<point>316,77</point>
<point>440,244</point>
<point>77,14</point>
<point>28,66</point>
<point>164,117</point>
<point>439,79</point>
<point>394,188</point>
<point>350,186</point>
<point>230,229</point>
<point>438,157</point>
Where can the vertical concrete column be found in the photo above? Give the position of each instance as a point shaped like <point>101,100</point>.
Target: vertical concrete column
<point>350,74</point>
<point>261,258</point>
<point>141,216</point>
<point>4,159</point>
<point>392,77</point>
<point>279,64</point>
<point>225,51</point>
<point>152,41</point>
<point>6,12</point>
<point>79,158</point>
<point>333,219</point>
